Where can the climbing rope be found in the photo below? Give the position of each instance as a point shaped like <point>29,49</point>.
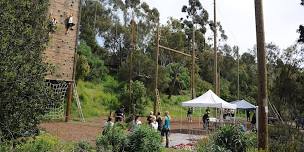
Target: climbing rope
<point>56,106</point>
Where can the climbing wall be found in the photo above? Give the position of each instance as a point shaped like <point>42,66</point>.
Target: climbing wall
<point>61,49</point>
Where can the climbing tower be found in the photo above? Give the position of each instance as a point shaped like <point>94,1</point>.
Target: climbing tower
<point>61,52</point>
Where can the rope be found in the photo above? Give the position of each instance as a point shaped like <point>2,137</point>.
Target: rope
<point>56,106</point>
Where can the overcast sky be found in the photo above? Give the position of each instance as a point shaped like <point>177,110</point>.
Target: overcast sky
<point>282,19</point>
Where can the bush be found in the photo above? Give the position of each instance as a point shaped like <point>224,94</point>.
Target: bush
<point>83,146</point>
<point>144,139</point>
<point>228,138</point>
<point>43,143</point>
<point>23,97</point>
<point>114,140</point>
<point>285,138</point>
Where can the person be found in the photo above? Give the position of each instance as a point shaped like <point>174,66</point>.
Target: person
<point>69,24</point>
<point>166,128</point>
<point>107,125</point>
<point>159,121</point>
<point>149,118</point>
<point>189,114</point>
<point>248,115</point>
<point>206,120</point>
<point>253,121</point>
<point>135,123</point>
<point>119,114</point>
<point>154,124</point>
<point>53,25</point>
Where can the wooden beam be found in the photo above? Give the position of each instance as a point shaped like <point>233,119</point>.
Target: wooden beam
<point>176,51</point>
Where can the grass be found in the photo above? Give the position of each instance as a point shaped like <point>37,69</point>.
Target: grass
<point>95,97</point>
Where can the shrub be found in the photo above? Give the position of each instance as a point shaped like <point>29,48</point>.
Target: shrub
<point>231,138</point>
<point>285,138</point>
<point>23,97</point>
<point>83,146</point>
<point>113,140</point>
<point>144,139</point>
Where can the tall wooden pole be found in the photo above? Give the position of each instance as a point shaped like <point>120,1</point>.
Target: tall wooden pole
<point>215,50</point>
<point>130,65</point>
<point>262,78</point>
<point>238,76</point>
<point>69,102</point>
<point>156,103</point>
<point>193,64</point>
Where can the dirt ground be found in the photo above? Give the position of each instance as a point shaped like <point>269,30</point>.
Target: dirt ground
<point>75,131</point>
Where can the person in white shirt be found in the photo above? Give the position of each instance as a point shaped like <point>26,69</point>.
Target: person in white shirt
<point>69,24</point>
<point>135,123</point>
<point>154,124</point>
<point>107,125</point>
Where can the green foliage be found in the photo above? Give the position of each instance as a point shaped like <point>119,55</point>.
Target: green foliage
<point>90,66</point>
<point>44,143</point>
<point>285,138</point>
<point>83,146</point>
<point>144,139</point>
<point>114,140</point>
<point>228,138</point>
<point>138,97</point>
<point>23,93</point>
<point>97,99</point>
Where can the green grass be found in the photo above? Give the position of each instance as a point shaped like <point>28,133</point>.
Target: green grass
<point>95,97</point>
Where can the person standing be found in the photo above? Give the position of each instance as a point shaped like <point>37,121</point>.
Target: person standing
<point>107,125</point>
<point>248,115</point>
<point>149,118</point>
<point>253,121</point>
<point>154,124</point>
<point>206,120</point>
<point>166,128</point>
<point>159,121</point>
<point>189,114</point>
<point>135,123</point>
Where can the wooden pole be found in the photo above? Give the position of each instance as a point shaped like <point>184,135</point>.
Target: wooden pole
<point>130,65</point>
<point>69,102</point>
<point>156,103</point>
<point>193,64</point>
<point>176,51</point>
<point>215,50</point>
<point>262,78</point>
<point>238,76</point>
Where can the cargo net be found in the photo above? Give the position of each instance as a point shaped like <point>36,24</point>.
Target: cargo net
<point>55,107</point>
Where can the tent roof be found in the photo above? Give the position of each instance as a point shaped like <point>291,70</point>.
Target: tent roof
<point>243,104</point>
<point>209,99</point>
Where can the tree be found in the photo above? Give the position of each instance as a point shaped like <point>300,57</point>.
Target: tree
<point>23,93</point>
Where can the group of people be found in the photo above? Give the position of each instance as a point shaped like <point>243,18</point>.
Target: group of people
<point>158,123</point>
<point>68,24</point>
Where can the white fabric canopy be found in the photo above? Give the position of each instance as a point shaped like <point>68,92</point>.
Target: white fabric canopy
<point>243,104</point>
<point>209,99</point>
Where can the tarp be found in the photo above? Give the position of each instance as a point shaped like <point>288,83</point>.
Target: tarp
<point>209,99</point>
<point>243,104</point>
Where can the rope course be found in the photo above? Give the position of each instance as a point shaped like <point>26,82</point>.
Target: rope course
<point>56,106</point>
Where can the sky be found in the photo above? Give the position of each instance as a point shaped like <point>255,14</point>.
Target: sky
<point>281,19</point>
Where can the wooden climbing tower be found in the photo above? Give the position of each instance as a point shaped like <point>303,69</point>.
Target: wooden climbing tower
<point>61,50</point>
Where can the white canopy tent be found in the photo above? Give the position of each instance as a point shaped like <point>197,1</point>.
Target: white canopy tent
<point>209,99</point>
<point>243,104</point>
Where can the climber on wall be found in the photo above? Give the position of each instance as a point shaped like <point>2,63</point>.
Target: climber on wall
<point>52,24</point>
<point>69,24</point>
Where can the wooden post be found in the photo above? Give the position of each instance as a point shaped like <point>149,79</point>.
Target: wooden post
<point>193,64</point>
<point>69,101</point>
<point>215,50</point>
<point>156,103</point>
<point>238,77</point>
<point>262,78</point>
<point>130,65</point>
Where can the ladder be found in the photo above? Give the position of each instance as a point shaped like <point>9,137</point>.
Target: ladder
<point>76,97</point>
<point>275,111</point>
